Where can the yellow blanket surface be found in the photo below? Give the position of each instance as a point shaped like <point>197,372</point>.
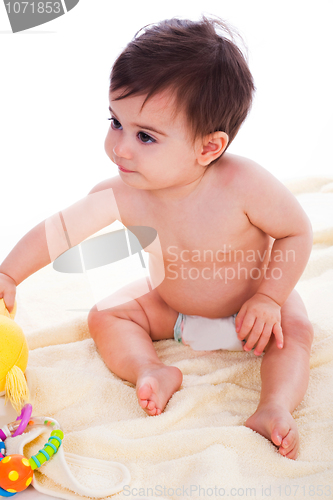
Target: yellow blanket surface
<point>199,447</point>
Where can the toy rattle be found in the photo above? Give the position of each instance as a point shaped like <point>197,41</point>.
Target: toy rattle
<point>16,471</point>
<point>18,427</point>
<point>14,359</point>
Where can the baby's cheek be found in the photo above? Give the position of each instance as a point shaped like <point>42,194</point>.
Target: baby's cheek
<point>106,142</point>
<point>108,146</point>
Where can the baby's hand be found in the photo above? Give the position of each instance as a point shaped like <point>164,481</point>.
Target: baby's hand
<point>7,291</point>
<point>259,317</point>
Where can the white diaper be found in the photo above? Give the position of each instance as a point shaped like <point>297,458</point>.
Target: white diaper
<point>206,334</point>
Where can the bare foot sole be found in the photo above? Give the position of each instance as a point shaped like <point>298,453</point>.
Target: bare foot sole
<point>155,386</point>
<point>276,424</point>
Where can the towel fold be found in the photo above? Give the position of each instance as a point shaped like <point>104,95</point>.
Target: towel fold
<point>84,475</point>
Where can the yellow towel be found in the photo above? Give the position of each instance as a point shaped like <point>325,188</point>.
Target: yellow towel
<point>199,447</point>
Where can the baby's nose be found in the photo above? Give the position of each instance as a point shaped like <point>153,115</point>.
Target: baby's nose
<point>122,150</point>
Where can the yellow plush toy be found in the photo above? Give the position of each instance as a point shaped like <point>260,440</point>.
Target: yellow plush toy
<point>13,359</point>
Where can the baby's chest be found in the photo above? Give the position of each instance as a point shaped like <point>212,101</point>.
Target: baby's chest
<point>211,224</point>
<point>201,234</point>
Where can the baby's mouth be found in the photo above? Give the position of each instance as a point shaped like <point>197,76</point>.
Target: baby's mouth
<point>124,169</point>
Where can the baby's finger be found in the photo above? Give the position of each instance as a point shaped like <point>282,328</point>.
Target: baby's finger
<point>277,330</point>
<point>9,300</point>
<point>247,325</point>
<point>263,341</point>
<point>239,318</point>
<point>254,335</point>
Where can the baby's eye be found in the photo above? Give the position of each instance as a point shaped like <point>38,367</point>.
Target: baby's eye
<point>115,124</point>
<point>145,138</point>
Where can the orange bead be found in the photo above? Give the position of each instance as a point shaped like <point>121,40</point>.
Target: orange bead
<point>15,473</point>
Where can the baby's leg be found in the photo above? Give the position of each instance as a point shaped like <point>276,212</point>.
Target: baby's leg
<point>285,378</point>
<point>123,334</point>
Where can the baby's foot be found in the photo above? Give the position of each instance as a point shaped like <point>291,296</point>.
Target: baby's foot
<point>276,424</point>
<point>155,386</point>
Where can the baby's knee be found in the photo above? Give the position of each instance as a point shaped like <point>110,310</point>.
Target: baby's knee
<point>97,319</point>
<point>101,319</point>
<point>300,330</point>
<point>93,320</point>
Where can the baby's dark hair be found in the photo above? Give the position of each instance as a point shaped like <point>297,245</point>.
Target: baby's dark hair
<point>205,70</point>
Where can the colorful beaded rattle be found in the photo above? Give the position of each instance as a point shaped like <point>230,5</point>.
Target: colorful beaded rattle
<point>16,471</point>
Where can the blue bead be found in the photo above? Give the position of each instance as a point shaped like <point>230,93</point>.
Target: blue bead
<point>46,455</point>
<point>55,449</point>
<point>57,438</point>
<point>37,462</point>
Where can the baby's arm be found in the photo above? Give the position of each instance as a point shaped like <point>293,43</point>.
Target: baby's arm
<point>63,230</point>
<point>270,206</point>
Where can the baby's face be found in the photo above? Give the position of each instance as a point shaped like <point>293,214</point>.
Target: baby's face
<point>155,146</point>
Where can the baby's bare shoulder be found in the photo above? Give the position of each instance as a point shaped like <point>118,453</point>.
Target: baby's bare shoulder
<point>121,191</point>
<point>265,200</point>
<point>241,170</point>
<point>130,201</point>
<point>249,178</point>
<point>110,183</point>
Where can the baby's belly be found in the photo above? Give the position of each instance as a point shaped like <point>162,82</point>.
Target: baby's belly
<point>215,287</point>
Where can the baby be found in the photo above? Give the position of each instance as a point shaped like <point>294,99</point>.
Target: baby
<point>233,240</point>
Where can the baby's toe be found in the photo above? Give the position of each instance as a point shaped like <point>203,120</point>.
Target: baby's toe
<point>276,437</point>
<point>151,405</point>
<point>293,453</point>
<point>151,412</point>
<point>143,403</point>
<point>290,452</point>
<point>289,444</point>
<point>280,432</point>
<point>289,440</point>
<point>144,393</point>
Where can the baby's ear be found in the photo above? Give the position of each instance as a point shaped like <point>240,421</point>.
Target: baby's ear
<point>212,147</point>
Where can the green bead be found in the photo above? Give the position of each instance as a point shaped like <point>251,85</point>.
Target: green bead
<point>55,442</point>
<point>58,433</point>
<point>49,450</point>
<point>41,458</point>
<point>33,464</point>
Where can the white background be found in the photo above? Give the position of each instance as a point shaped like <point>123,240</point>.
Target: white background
<point>54,96</point>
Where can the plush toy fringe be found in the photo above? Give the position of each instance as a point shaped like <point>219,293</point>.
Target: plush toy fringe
<point>16,389</point>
